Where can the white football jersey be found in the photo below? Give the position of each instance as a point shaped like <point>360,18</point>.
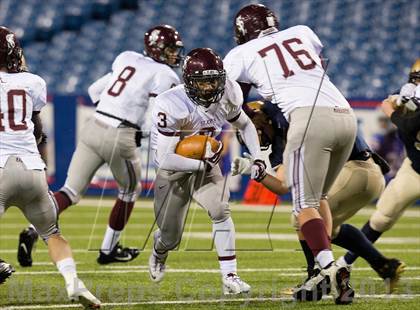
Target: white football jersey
<point>20,95</point>
<point>286,69</point>
<point>125,91</point>
<point>175,114</point>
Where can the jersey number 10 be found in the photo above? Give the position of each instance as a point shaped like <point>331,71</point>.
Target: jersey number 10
<point>11,94</point>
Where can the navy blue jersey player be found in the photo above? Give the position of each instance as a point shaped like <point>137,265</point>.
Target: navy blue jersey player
<point>403,190</point>
<point>359,183</point>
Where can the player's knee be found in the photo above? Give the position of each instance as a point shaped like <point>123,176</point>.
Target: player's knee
<point>46,231</point>
<point>130,191</point>
<point>220,214</point>
<point>381,222</point>
<point>294,222</point>
<point>72,194</point>
<point>335,231</point>
<point>170,241</point>
<point>128,196</point>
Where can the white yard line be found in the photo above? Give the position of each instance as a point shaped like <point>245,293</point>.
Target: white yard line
<point>71,226</point>
<point>285,250</point>
<point>235,206</point>
<point>116,267</point>
<point>241,236</point>
<point>144,269</point>
<point>203,301</point>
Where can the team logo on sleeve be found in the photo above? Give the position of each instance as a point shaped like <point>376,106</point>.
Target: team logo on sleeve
<point>10,42</point>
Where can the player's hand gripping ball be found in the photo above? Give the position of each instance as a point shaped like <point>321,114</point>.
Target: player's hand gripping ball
<point>200,147</point>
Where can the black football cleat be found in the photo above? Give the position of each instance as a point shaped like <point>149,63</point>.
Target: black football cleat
<point>390,271</point>
<point>6,271</point>
<point>118,255</point>
<point>27,239</point>
<point>344,291</point>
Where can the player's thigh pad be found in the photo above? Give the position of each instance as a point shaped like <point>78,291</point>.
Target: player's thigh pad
<point>85,161</point>
<point>344,127</point>
<point>118,142</point>
<point>358,184</point>
<point>42,213</point>
<point>28,190</point>
<point>171,203</point>
<point>211,191</point>
<point>399,194</point>
<point>120,152</point>
<point>306,159</point>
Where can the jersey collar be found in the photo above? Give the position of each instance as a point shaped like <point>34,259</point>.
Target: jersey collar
<point>267,31</point>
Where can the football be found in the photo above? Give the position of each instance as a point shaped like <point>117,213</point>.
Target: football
<point>195,146</point>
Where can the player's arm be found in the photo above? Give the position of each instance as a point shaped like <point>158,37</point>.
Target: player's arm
<point>408,123</point>
<point>275,185</point>
<point>37,126</point>
<point>97,88</point>
<point>40,136</point>
<point>258,170</point>
<point>248,133</point>
<point>39,99</point>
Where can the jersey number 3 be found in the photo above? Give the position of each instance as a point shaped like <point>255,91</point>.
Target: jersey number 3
<point>120,83</point>
<point>298,56</point>
<point>11,95</point>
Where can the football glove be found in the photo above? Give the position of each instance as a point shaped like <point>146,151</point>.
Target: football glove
<point>248,165</point>
<point>258,170</point>
<point>241,165</point>
<point>212,158</point>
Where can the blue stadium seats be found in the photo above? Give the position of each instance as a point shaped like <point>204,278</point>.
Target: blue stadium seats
<point>370,44</point>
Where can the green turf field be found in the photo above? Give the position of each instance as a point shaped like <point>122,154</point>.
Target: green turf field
<point>268,259</point>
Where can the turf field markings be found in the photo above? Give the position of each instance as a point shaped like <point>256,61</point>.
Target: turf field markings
<point>239,236</point>
<point>251,269</point>
<point>148,204</point>
<point>128,268</point>
<point>70,226</point>
<point>204,301</point>
<point>144,269</point>
<point>284,250</point>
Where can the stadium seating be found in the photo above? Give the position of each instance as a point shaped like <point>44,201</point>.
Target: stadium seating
<point>370,44</point>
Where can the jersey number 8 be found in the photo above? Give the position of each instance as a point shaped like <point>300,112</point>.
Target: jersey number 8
<point>120,83</point>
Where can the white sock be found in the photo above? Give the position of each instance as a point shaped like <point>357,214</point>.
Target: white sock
<point>111,238</point>
<point>324,258</point>
<point>224,240</point>
<point>67,268</point>
<point>32,226</point>
<point>227,266</point>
